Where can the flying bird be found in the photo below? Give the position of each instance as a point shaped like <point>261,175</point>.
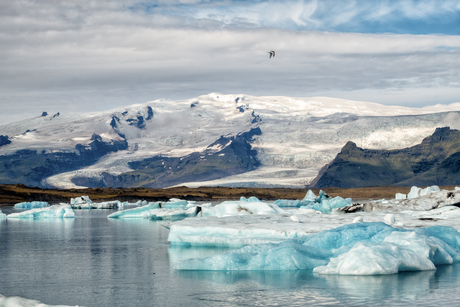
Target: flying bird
<point>272,54</point>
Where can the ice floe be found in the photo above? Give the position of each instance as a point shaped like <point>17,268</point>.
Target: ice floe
<point>354,249</point>
<point>55,211</point>
<point>31,205</point>
<point>16,301</point>
<point>323,203</point>
<point>84,202</point>
<point>242,207</point>
<point>174,209</point>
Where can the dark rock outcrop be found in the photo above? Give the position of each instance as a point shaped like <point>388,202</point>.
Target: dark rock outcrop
<point>30,167</point>
<point>436,161</point>
<point>4,140</point>
<point>235,156</point>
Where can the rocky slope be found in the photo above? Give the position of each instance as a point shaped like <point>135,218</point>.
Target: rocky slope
<point>436,161</point>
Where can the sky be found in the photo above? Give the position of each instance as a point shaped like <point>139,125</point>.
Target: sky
<point>93,55</point>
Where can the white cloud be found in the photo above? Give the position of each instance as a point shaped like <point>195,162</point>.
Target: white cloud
<point>69,56</point>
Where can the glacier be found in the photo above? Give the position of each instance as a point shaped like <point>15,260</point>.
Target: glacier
<point>31,205</point>
<point>54,211</point>
<point>354,249</point>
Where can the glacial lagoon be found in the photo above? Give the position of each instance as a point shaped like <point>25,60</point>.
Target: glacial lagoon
<point>91,260</point>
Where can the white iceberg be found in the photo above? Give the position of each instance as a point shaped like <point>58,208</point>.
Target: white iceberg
<point>173,214</point>
<point>16,301</point>
<point>417,192</point>
<point>82,202</point>
<point>242,207</point>
<point>55,211</point>
<point>353,249</point>
<point>31,205</point>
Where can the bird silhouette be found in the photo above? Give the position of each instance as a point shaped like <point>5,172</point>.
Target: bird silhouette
<point>272,54</point>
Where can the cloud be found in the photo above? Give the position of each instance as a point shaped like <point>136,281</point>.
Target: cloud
<point>95,55</point>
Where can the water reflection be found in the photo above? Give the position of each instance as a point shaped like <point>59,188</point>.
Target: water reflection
<point>304,287</point>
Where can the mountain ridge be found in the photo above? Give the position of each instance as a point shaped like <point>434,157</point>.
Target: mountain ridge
<point>297,137</point>
<point>435,161</point>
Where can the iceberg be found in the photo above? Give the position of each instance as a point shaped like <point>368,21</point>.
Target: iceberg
<point>83,202</point>
<point>417,192</point>
<point>173,214</point>
<point>174,209</point>
<point>309,198</point>
<point>242,207</point>
<point>55,211</point>
<point>175,203</point>
<point>323,203</point>
<point>353,249</point>
<point>2,215</point>
<point>139,212</point>
<point>31,205</point>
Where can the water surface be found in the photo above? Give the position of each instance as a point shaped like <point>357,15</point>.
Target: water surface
<point>95,261</point>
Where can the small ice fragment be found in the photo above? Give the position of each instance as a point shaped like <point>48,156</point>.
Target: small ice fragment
<point>389,219</point>
<point>295,218</point>
<point>31,205</point>
<point>358,219</point>
<point>400,196</point>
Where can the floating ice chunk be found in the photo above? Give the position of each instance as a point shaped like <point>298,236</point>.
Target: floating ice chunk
<point>16,301</point>
<point>309,198</point>
<point>173,214</point>
<point>2,215</point>
<point>354,249</point>
<point>140,212</point>
<point>417,192</point>
<point>457,188</point>
<point>358,219</point>
<point>287,203</point>
<point>295,218</point>
<point>325,204</point>
<point>55,211</point>
<point>174,203</point>
<point>82,202</point>
<point>31,205</point>
<point>400,196</point>
<point>250,199</point>
<point>228,208</point>
<point>389,219</point>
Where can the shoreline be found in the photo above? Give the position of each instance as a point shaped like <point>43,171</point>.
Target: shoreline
<point>11,194</point>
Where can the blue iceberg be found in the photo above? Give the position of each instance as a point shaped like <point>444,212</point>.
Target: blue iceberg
<point>139,212</point>
<point>323,203</point>
<point>31,205</point>
<point>2,215</point>
<point>175,203</point>
<point>55,211</point>
<point>354,249</point>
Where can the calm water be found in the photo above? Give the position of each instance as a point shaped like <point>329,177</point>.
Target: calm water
<point>93,261</point>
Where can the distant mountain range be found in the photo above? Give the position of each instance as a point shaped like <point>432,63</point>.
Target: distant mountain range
<point>210,140</point>
<point>436,161</point>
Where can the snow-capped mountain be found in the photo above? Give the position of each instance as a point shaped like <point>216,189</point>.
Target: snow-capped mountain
<point>215,139</point>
